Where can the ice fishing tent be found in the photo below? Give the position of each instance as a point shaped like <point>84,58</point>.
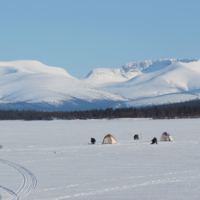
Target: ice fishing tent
<point>166,137</point>
<point>109,139</point>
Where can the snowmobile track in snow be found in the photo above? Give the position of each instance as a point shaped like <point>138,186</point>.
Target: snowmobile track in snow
<point>10,192</point>
<point>29,181</point>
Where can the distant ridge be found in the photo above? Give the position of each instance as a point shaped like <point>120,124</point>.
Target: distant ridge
<point>150,82</point>
<point>32,85</point>
<point>129,70</point>
<point>29,84</point>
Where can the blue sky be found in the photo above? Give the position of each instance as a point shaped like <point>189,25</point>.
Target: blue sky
<point>81,35</point>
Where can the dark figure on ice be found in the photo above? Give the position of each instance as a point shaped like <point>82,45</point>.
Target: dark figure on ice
<point>154,141</point>
<point>93,140</point>
<point>136,137</point>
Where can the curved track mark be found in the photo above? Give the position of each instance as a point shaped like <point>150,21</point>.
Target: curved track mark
<point>10,192</point>
<point>29,179</point>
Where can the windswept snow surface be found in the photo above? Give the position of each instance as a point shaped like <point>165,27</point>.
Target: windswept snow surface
<point>56,154</point>
<point>34,85</point>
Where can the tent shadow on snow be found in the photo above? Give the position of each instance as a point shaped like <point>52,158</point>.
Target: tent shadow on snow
<point>109,139</point>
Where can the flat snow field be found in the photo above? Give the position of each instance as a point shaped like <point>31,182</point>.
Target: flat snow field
<point>43,160</point>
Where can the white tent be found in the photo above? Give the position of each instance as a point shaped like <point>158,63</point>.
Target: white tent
<point>109,139</point>
<point>166,137</point>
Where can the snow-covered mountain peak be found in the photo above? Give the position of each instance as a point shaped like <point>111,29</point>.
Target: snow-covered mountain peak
<point>128,71</point>
<point>35,85</point>
<point>30,66</point>
<point>158,84</point>
<point>38,86</point>
<point>104,75</point>
<point>152,65</point>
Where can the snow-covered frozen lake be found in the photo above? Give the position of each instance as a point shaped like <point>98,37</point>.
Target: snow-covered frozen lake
<point>43,160</point>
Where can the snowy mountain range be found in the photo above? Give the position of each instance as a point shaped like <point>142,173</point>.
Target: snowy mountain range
<point>151,82</point>
<point>33,85</point>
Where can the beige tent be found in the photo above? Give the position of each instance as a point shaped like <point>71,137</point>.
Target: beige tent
<point>109,139</point>
<point>166,137</point>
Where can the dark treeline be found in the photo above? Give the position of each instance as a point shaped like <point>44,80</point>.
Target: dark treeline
<point>178,110</point>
